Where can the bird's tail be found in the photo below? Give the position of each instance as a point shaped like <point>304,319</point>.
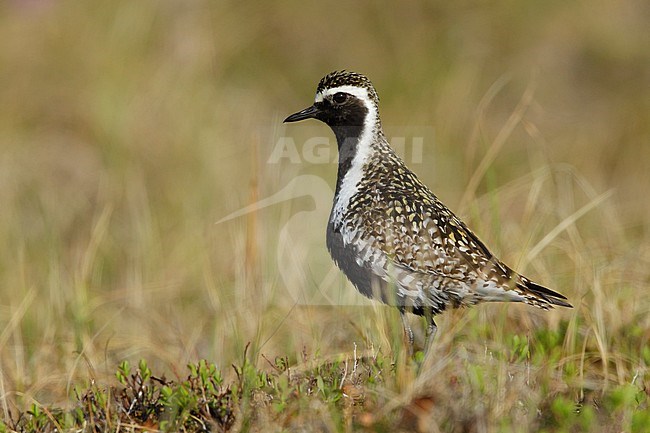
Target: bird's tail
<point>545,295</point>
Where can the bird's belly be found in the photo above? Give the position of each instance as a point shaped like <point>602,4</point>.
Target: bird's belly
<point>375,277</point>
<point>345,257</point>
<point>357,266</point>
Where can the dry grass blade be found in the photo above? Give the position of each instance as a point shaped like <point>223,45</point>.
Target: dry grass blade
<point>564,224</point>
<point>497,144</point>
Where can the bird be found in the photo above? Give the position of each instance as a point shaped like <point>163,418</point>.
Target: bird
<point>389,234</point>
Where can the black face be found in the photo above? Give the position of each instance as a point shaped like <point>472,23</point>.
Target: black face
<point>338,110</point>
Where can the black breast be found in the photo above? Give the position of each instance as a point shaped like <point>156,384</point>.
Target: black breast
<point>366,282</point>
<point>345,258</point>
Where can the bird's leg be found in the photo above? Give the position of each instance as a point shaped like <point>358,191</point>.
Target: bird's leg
<point>432,329</point>
<point>407,330</point>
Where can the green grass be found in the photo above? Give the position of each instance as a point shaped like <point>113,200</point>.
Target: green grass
<point>517,388</point>
<point>129,128</point>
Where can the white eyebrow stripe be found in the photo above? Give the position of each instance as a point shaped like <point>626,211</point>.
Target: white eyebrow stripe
<point>359,92</point>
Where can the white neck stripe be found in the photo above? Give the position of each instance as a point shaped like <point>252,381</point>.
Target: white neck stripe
<point>352,178</point>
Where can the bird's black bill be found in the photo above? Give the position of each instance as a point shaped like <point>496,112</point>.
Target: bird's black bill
<point>307,113</point>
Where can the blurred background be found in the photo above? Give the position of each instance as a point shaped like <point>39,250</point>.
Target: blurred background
<point>128,129</point>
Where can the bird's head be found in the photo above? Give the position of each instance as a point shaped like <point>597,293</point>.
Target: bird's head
<point>343,100</point>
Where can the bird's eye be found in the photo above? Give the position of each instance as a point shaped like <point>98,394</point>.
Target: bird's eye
<point>340,97</point>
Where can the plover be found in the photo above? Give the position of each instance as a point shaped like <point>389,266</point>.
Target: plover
<point>389,234</point>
